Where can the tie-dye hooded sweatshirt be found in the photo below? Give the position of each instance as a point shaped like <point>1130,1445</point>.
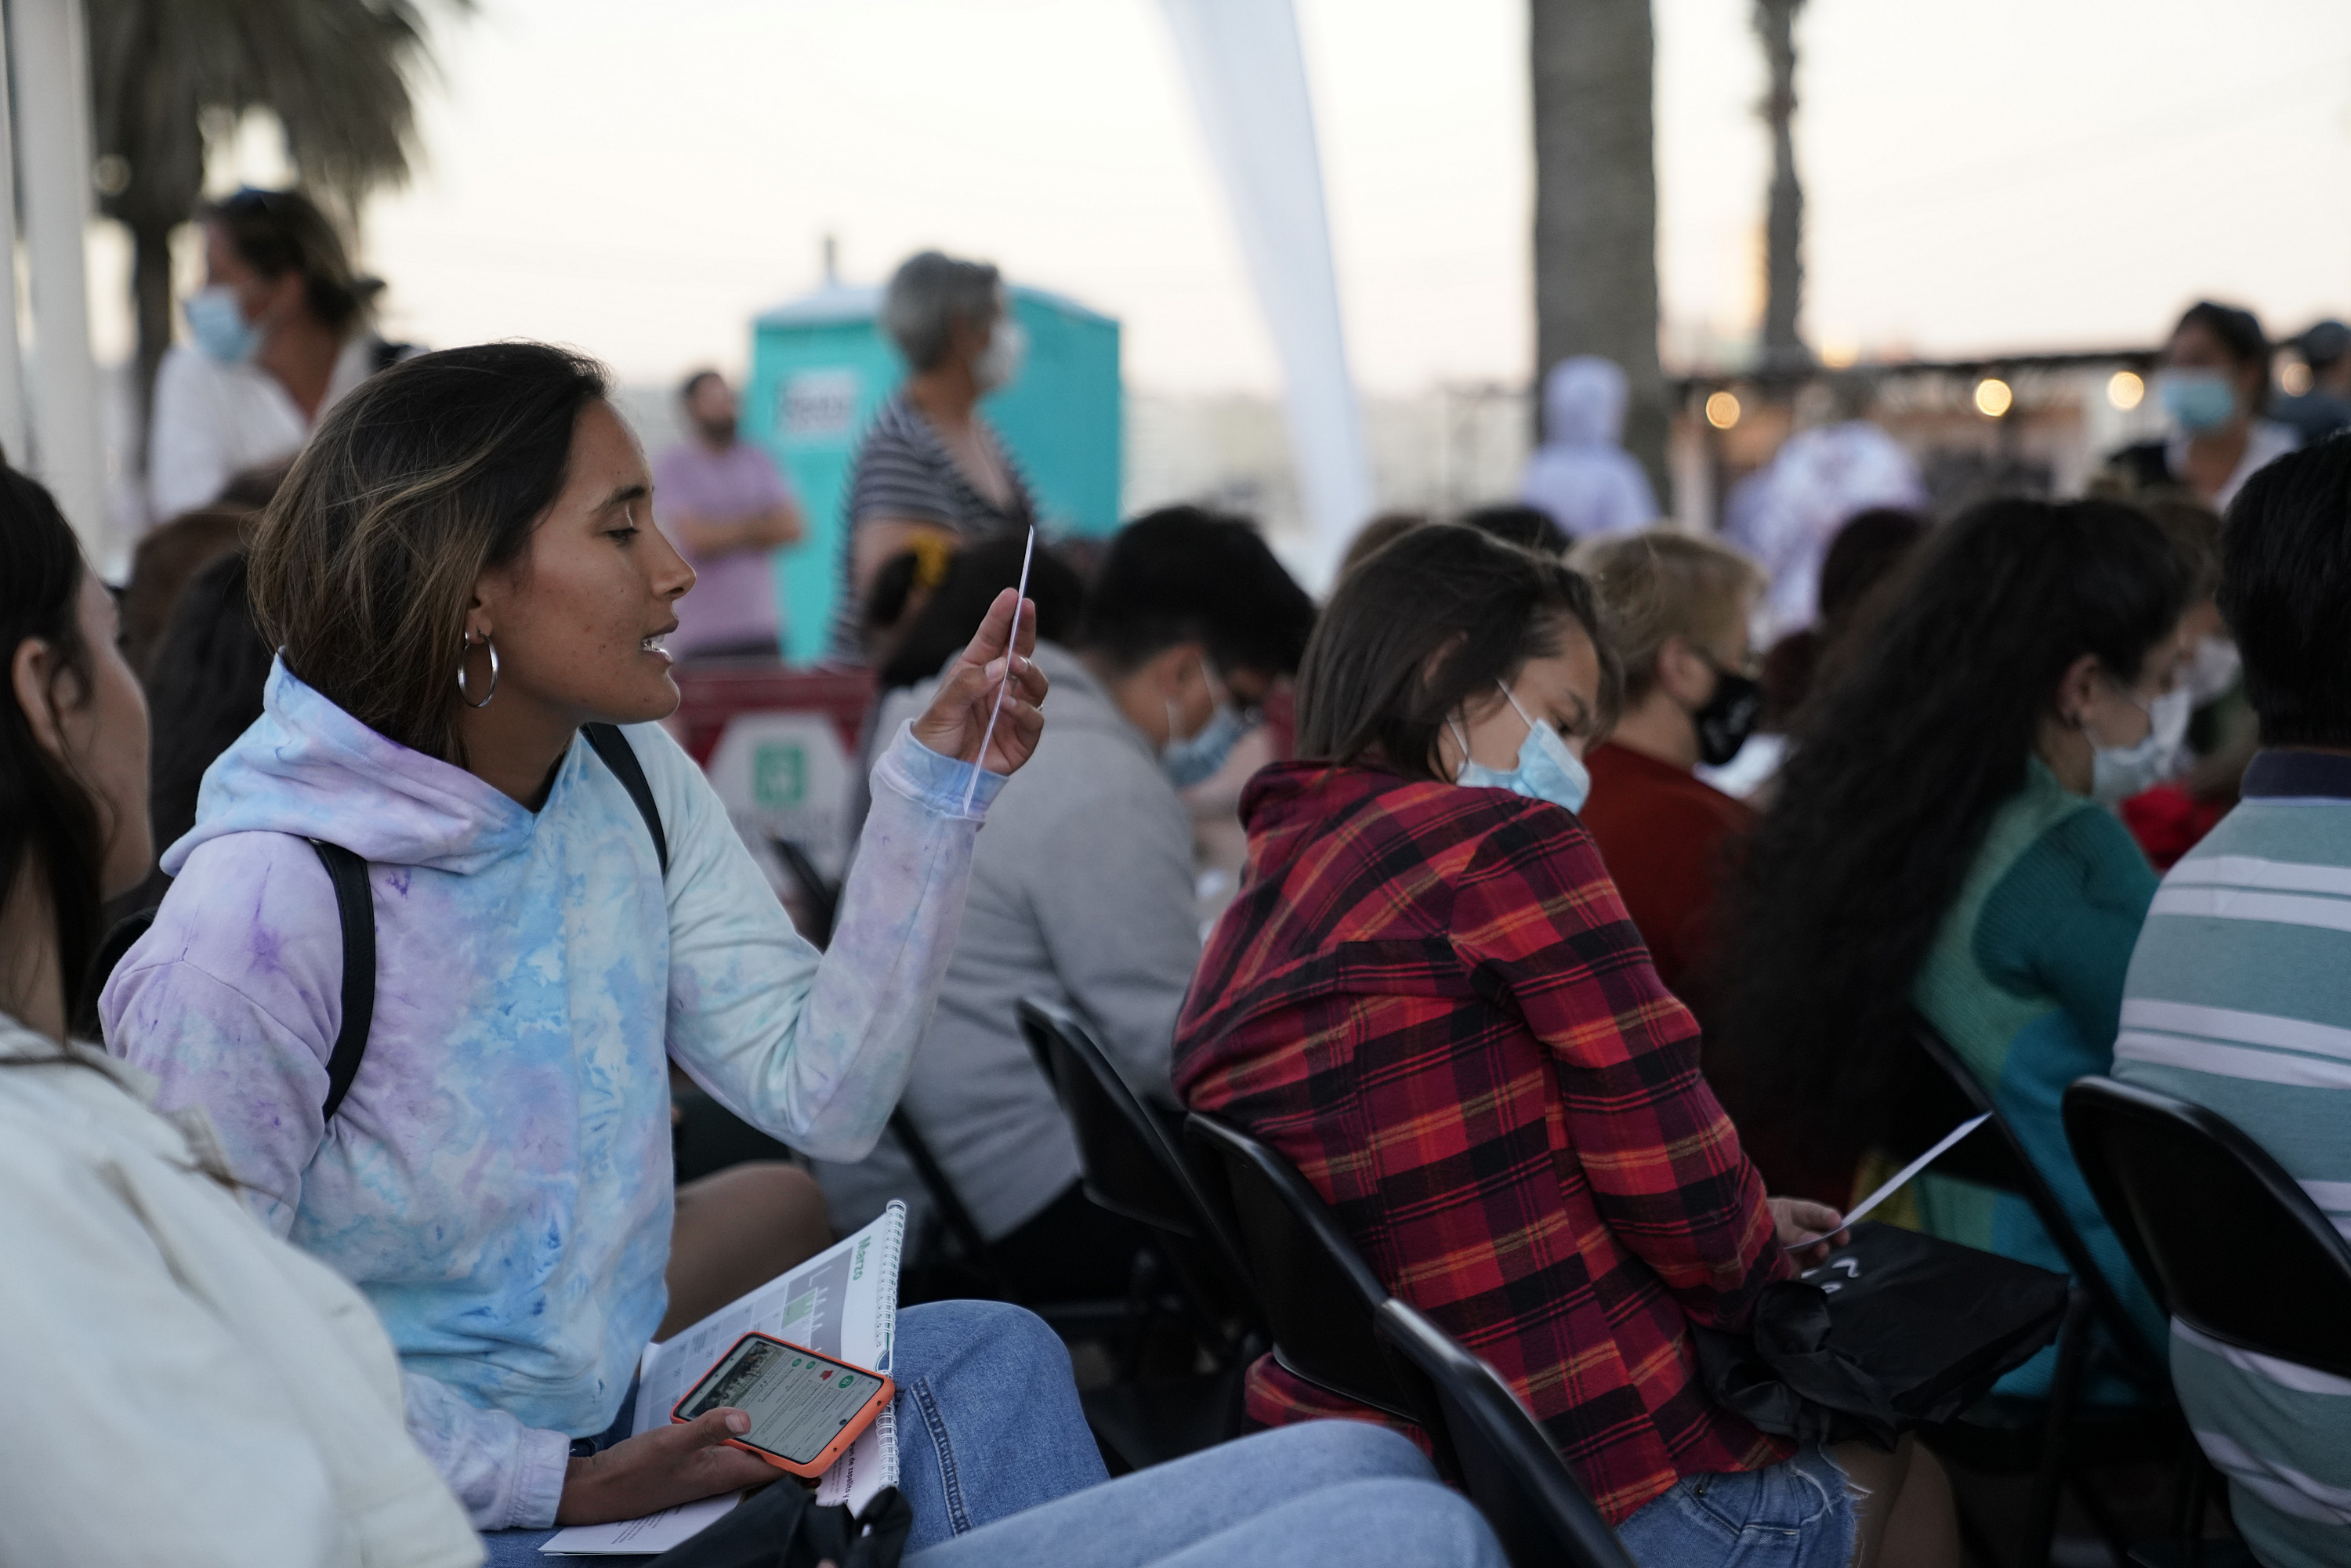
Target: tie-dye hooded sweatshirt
<point>497,1182</point>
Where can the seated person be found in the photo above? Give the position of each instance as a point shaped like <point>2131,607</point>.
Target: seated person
<point>1082,890</point>
<point>2199,785</point>
<point>1869,548</point>
<point>1675,610</point>
<point>1428,996</point>
<point>2236,996</point>
<point>253,1396</point>
<point>497,1181</point>
<point>1942,846</point>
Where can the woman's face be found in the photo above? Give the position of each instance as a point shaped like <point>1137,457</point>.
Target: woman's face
<point>97,731</point>
<point>578,620</point>
<point>1560,689</point>
<point>2113,713</point>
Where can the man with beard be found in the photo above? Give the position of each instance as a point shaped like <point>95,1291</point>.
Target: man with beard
<point>726,507</point>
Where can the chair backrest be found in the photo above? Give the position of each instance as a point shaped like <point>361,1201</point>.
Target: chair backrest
<point>1130,1167</point>
<point>1946,1093</point>
<point>2227,1240</point>
<point>1320,1297</point>
<point>1508,1465</point>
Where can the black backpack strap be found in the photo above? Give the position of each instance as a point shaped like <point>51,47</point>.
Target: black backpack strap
<point>355,909</point>
<point>613,746</point>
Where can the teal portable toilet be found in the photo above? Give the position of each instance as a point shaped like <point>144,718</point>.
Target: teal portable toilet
<point>821,366</point>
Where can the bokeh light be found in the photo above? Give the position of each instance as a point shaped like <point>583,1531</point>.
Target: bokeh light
<point>1722,410</point>
<point>2125,389</point>
<point>1993,397</point>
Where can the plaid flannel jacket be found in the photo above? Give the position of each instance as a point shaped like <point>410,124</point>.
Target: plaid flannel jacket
<point>1431,999</point>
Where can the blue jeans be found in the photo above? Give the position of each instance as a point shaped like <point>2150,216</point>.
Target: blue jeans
<point>1322,1494</point>
<point>989,1425</point>
<point>1798,1514</point>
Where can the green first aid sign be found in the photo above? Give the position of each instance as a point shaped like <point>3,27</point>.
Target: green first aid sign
<point>779,774</point>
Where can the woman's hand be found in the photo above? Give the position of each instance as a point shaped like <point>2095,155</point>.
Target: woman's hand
<point>1815,1223</point>
<point>957,717</point>
<point>662,1469</point>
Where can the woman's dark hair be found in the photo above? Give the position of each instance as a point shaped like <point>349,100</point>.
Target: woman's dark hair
<point>975,574</point>
<point>1427,624</point>
<point>210,670</point>
<point>278,232</point>
<point>1529,527</point>
<point>427,475</point>
<point>49,822</point>
<point>2286,577</point>
<point>2240,332</point>
<point>1920,732</point>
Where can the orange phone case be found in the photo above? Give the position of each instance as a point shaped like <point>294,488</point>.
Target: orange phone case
<point>833,1451</point>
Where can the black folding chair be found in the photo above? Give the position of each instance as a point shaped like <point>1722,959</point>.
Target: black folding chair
<point>2055,1439</point>
<point>2228,1243</point>
<point>1133,1168</point>
<point>1508,1465</point>
<point>1134,1165</point>
<point>1321,1300</point>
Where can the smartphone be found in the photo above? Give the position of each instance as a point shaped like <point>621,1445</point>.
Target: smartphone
<point>805,1409</point>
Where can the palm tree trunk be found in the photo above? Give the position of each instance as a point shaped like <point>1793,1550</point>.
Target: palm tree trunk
<point>151,293</point>
<point>1783,226</point>
<point>1596,202</point>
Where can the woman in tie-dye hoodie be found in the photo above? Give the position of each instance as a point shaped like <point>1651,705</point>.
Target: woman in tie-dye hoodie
<point>460,571</point>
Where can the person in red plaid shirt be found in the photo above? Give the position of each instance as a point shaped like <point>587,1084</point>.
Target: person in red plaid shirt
<point>1431,999</point>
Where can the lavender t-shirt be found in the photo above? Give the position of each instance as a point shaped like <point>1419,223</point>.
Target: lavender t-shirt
<point>734,597</point>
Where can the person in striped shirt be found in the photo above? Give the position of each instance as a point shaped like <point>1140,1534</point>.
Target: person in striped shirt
<point>929,466</point>
<point>2239,995</point>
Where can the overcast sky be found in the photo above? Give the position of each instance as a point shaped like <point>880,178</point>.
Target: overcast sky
<point>639,177</point>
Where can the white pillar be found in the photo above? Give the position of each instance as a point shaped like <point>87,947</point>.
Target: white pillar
<point>49,43</point>
<point>15,439</point>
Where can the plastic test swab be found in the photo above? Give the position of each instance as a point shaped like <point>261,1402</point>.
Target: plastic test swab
<point>1021,597</point>
<point>1913,1168</point>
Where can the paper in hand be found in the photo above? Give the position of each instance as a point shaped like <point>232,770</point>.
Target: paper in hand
<point>1021,597</point>
<point>1890,1188</point>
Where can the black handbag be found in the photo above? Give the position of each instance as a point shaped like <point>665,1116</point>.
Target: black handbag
<point>783,1526</point>
<point>1896,1330</point>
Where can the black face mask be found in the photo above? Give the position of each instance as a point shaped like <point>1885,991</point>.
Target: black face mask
<point>1729,716</point>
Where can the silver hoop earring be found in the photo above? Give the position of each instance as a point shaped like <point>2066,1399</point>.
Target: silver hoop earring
<point>464,646</point>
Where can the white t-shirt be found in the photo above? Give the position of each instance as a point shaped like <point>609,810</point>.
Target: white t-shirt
<point>214,421</point>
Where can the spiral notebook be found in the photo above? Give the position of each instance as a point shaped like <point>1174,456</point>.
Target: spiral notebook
<point>842,1302</point>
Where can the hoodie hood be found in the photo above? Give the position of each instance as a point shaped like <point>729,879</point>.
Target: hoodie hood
<point>308,768</point>
<point>1584,402</point>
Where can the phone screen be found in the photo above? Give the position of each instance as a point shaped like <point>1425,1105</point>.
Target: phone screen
<point>798,1402</point>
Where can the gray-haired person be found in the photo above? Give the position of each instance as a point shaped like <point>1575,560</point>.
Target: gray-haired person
<point>929,465</point>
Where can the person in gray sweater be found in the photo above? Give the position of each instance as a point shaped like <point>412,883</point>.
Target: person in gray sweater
<point>1082,891</point>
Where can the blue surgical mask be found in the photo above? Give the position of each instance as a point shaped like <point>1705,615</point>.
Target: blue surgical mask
<point>219,327</point>
<point>1190,760</point>
<point>1546,769</point>
<point>2196,400</point>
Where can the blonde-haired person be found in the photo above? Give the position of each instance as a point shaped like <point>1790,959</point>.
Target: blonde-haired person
<point>460,574</point>
<point>1676,608</point>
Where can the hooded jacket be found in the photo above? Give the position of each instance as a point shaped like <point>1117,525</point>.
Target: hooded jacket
<point>1580,475</point>
<point>497,1182</point>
